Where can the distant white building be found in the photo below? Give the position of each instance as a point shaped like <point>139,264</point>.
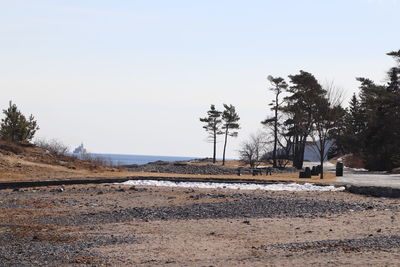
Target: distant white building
<point>80,150</point>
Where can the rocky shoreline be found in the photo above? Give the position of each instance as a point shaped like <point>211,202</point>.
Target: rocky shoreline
<point>190,168</point>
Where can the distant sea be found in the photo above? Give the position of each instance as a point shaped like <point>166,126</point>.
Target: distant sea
<point>124,159</point>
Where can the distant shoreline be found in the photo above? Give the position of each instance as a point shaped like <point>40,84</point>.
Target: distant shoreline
<point>130,159</point>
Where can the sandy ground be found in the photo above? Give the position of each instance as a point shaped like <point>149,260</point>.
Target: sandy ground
<point>115,225</point>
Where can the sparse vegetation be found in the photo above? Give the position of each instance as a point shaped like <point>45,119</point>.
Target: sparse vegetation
<point>53,146</point>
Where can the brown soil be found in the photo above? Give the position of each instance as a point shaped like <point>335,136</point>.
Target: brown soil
<point>353,161</point>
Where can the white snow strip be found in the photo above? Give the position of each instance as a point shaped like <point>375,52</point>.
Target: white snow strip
<point>359,170</point>
<point>266,187</point>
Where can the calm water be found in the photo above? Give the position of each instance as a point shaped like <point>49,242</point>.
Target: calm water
<point>121,159</point>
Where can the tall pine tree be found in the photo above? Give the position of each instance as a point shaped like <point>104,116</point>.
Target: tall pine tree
<point>278,86</point>
<point>212,124</point>
<point>230,124</point>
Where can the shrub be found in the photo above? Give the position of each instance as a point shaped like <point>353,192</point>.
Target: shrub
<point>53,146</point>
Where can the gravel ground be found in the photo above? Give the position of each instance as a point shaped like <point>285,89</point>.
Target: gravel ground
<point>55,249</point>
<point>124,226</point>
<point>243,208</point>
<point>379,242</point>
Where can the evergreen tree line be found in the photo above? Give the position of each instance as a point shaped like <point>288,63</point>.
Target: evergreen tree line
<point>307,113</point>
<point>312,114</point>
<point>371,127</point>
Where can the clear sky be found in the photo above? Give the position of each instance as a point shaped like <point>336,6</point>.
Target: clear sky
<point>135,76</point>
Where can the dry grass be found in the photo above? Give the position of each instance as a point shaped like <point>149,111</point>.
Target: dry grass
<point>27,162</point>
<point>33,164</point>
<point>38,171</point>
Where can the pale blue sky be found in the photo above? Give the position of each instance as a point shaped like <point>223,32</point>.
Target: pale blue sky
<point>135,76</point>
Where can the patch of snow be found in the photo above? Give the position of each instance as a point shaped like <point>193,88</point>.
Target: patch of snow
<point>359,170</point>
<point>240,186</point>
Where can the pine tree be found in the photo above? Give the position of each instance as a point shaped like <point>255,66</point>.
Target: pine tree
<point>278,86</point>
<point>15,127</point>
<point>381,139</point>
<point>213,127</point>
<point>300,107</point>
<point>394,80</point>
<point>355,122</point>
<point>230,122</point>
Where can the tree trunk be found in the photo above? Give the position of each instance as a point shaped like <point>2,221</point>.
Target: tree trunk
<point>226,139</point>
<point>298,157</point>
<point>215,146</point>
<point>275,132</point>
<point>301,155</point>
<point>321,155</point>
<point>296,152</point>
<point>321,176</point>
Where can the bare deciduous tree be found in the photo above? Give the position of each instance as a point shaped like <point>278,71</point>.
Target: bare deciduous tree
<point>251,151</point>
<point>327,118</point>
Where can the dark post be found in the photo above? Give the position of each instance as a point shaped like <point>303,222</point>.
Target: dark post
<point>318,169</point>
<point>307,172</point>
<point>314,171</point>
<point>339,169</point>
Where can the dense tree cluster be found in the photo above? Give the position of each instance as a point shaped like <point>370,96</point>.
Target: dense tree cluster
<point>372,124</point>
<point>310,114</point>
<point>305,113</point>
